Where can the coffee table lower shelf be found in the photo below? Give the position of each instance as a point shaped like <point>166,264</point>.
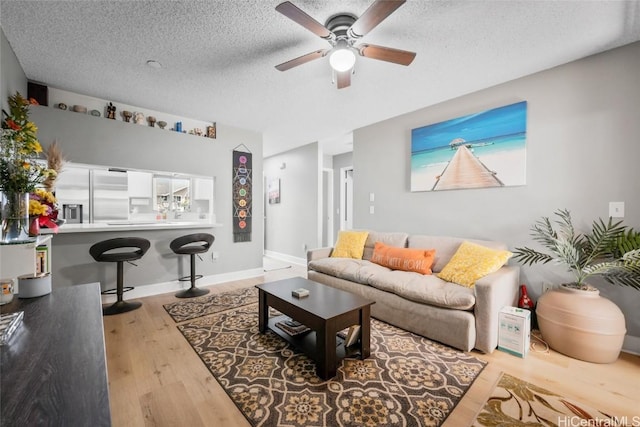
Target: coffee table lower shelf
<point>306,342</point>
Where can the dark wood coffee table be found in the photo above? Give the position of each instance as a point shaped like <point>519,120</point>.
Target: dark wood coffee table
<point>326,311</point>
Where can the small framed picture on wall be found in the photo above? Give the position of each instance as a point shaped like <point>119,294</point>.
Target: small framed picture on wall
<point>274,191</point>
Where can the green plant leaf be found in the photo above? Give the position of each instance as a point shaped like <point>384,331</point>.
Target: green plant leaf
<point>610,250</point>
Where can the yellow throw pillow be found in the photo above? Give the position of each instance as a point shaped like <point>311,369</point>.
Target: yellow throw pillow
<point>472,262</point>
<point>350,244</point>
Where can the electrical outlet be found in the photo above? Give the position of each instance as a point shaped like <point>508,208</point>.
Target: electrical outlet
<point>546,286</point>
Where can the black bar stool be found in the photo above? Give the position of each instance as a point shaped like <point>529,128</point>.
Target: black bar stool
<point>192,244</point>
<point>101,252</point>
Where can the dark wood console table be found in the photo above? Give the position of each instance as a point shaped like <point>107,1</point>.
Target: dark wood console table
<point>53,370</point>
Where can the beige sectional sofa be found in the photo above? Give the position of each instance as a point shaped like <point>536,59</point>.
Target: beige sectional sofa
<point>462,317</point>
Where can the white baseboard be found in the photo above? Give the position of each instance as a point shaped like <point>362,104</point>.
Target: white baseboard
<point>176,285</point>
<point>286,258</point>
<point>631,344</point>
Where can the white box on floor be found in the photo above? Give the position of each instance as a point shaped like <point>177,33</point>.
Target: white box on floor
<point>514,332</point>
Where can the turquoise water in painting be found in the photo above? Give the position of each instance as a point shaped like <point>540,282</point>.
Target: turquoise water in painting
<point>496,137</point>
<point>445,154</point>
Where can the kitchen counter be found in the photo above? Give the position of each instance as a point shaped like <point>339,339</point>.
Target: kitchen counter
<point>130,226</point>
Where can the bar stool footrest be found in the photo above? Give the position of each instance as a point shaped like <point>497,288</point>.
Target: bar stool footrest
<point>115,290</point>
<point>188,278</point>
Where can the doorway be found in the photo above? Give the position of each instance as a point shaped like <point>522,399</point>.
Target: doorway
<point>346,198</point>
<point>327,207</point>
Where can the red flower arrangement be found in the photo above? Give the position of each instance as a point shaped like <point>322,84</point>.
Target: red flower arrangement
<point>43,206</point>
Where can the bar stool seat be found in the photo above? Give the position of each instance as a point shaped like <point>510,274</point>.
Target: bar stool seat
<point>192,245</point>
<point>125,249</point>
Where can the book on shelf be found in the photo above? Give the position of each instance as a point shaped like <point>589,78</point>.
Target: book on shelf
<point>42,265</point>
<point>352,335</point>
<point>297,328</point>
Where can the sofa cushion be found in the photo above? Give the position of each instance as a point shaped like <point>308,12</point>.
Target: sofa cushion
<point>355,270</point>
<point>471,262</point>
<point>350,244</point>
<point>390,239</point>
<point>417,260</point>
<point>446,246</point>
<point>424,289</point>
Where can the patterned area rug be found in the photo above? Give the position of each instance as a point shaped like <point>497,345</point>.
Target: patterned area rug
<point>407,381</point>
<point>188,309</point>
<point>515,402</point>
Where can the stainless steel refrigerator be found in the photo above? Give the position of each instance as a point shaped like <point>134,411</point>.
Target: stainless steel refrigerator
<point>73,194</point>
<point>110,195</point>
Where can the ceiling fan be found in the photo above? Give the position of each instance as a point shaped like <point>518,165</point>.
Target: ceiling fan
<point>343,31</point>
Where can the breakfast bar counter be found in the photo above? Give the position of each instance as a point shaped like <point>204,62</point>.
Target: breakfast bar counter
<point>130,226</point>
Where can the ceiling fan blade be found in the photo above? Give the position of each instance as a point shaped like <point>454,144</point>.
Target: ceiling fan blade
<point>301,60</point>
<point>343,79</point>
<point>397,56</point>
<point>376,13</point>
<point>294,13</point>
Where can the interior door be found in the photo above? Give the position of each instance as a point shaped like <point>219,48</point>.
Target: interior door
<point>346,198</point>
<point>327,207</point>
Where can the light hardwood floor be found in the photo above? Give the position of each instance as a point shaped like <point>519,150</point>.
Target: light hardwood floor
<point>156,379</point>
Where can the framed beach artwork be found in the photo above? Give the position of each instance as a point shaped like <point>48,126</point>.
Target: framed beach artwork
<point>273,190</point>
<point>481,150</point>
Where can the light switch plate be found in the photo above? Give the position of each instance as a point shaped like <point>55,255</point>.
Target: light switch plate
<point>616,209</point>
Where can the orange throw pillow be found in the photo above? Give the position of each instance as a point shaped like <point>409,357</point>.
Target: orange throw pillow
<point>417,260</point>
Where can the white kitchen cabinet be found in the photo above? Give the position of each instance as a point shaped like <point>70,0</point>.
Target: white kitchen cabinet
<point>203,188</point>
<point>140,184</point>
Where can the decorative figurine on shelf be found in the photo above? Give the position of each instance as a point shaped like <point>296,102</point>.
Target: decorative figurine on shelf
<point>152,121</point>
<point>211,131</point>
<point>138,118</point>
<point>162,124</point>
<point>127,116</point>
<point>111,111</point>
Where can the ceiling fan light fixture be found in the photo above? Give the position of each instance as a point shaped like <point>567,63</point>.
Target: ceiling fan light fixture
<point>342,59</point>
<point>154,64</point>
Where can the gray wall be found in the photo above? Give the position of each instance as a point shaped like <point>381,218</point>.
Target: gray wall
<point>583,147</point>
<point>13,79</point>
<point>87,139</point>
<point>292,224</point>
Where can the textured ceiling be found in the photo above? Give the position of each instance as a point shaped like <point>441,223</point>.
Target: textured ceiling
<point>218,57</point>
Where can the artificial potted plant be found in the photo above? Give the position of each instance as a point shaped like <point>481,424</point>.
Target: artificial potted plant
<point>575,319</point>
